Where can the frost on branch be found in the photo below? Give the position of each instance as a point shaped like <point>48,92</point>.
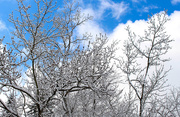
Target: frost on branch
<point>57,69</point>
<point>144,60</point>
<point>47,71</point>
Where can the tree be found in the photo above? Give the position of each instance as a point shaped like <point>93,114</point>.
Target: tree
<point>8,75</point>
<point>11,105</point>
<point>53,73</point>
<point>143,61</point>
<point>56,66</point>
<point>166,106</point>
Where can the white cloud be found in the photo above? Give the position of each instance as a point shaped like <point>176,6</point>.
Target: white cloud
<point>120,33</point>
<point>90,27</point>
<point>175,1</point>
<point>93,27</point>
<point>173,28</point>
<point>90,12</point>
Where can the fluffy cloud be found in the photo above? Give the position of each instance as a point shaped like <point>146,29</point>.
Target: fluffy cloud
<point>120,32</point>
<point>173,28</point>
<point>90,27</point>
<point>93,27</point>
<point>175,1</point>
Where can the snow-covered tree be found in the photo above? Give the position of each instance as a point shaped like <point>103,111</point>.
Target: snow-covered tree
<point>144,60</point>
<point>48,65</point>
<point>10,107</point>
<point>47,70</point>
<point>166,106</point>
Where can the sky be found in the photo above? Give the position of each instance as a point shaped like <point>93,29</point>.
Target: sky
<point>111,17</point>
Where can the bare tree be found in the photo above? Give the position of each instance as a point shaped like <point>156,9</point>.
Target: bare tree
<point>10,107</point>
<point>54,74</point>
<point>8,76</point>
<point>56,67</point>
<point>167,106</point>
<point>143,61</point>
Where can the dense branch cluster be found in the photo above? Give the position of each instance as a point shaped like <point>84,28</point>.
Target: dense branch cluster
<point>47,70</point>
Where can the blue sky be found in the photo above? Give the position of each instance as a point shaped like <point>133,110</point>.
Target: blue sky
<point>113,11</point>
<point>111,17</point>
<point>120,11</point>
